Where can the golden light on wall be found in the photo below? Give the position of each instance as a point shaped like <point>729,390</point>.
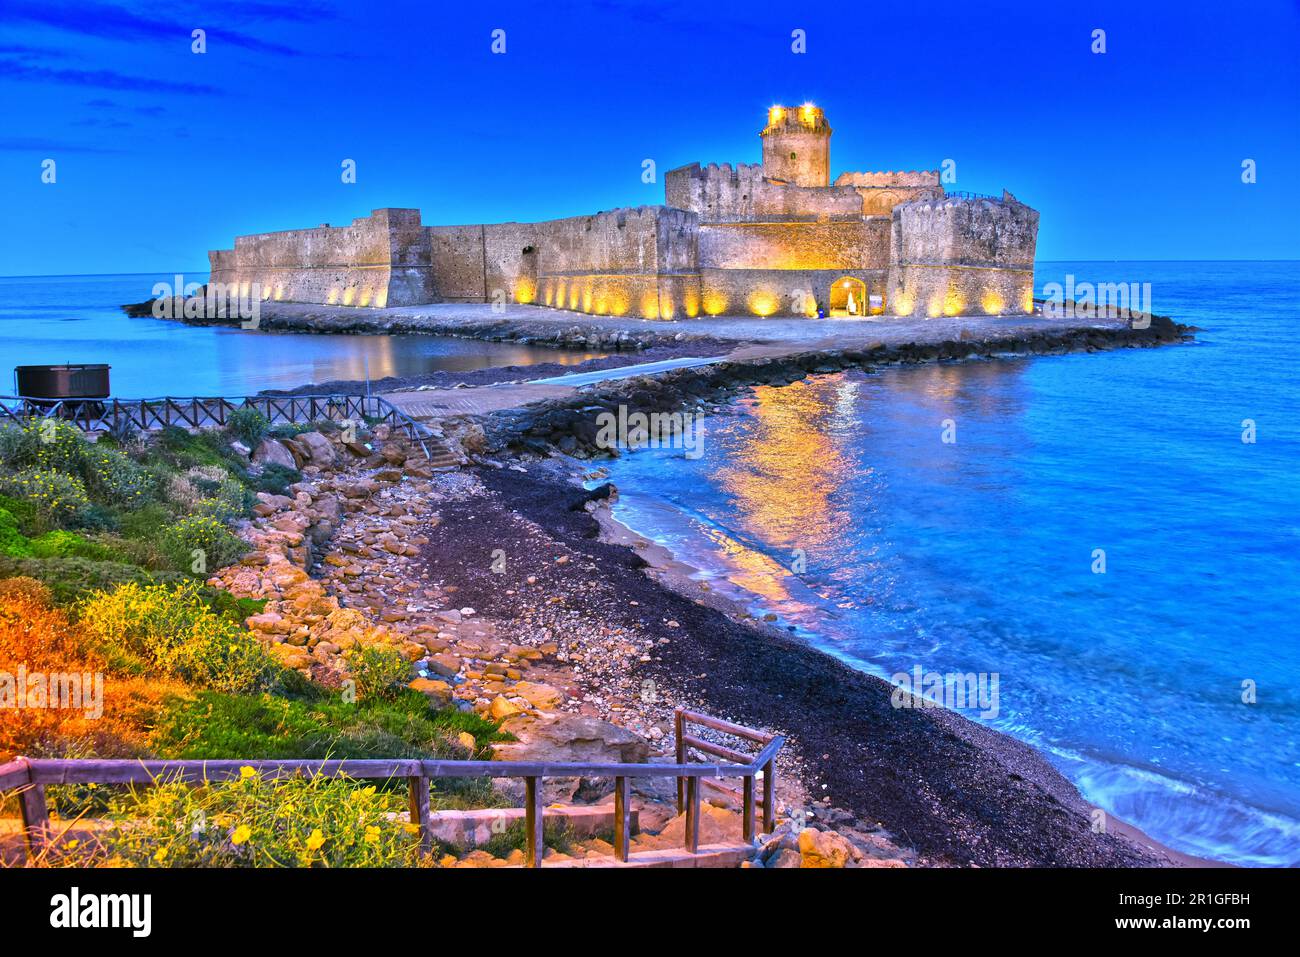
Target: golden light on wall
<point>762,302</point>
<point>381,299</point>
<point>586,296</point>
<point>525,290</point>
<point>574,292</point>
<point>366,295</point>
<point>649,305</point>
<point>1027,301</point>
<point>333,297</point>
<point>715,303</point>
<point>808,114</point>
<point>775,115</point>
<point>691,304</point>
<point>904,305</point>
<point>953,304</point>
<point>279,291</point>
<point>349,294</point>
<point>992,302</point>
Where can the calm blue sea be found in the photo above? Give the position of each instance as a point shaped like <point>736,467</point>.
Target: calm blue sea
<point>52,319</point>
<point>979,556</point>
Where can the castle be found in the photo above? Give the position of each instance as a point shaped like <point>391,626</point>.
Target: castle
<point>775,238</point>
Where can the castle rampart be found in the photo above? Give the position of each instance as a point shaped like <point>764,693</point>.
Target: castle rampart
<point>763,239</point>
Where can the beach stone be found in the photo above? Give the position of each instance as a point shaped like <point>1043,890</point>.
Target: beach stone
<point>319,450</point>
<point>824,849</point>
<point>438,692</point>
<point>541,696</point>
<point>501,707</point>
<point>273,452</point>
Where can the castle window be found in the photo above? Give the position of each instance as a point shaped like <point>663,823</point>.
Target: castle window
<point>793,155</point>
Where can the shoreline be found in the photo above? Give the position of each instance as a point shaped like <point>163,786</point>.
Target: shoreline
<point>677,575</point>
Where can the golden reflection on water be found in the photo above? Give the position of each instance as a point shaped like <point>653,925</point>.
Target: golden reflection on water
<point>782,478</point>
<point>797,453</point>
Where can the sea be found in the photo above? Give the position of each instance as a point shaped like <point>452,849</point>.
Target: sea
<point>1115,536</point>
<point>57,319</point>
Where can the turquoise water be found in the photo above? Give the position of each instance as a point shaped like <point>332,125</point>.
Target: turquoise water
<point>978,556</point>
<point>51,319</point>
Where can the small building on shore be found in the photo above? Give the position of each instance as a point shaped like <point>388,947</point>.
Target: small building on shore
<point>771,238</point>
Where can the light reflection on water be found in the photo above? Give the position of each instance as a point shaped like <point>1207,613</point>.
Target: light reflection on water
<point>977,556</point>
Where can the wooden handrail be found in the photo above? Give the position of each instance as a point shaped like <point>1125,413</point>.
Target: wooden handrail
<point>29,777</point>
<point>764,763</point>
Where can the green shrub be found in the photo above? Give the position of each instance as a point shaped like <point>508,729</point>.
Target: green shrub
<point>248,425</point>
<point>116,478</point>
<point>255,822</point>
<point>57,497</point>
<point>276,479</point>
<point>72,579</point>
<point>61,544</point>
<point>379,672</point>
<point>201,544</point>
<point>23,512</point>
<point>12,541</point>
<point>171,628</point>
<point>42,444</point>
<point>212,725</point>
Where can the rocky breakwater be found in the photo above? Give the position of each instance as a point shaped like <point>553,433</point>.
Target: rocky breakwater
<point>570,425</point>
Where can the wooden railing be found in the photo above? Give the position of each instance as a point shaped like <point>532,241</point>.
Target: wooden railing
<point>30,776</point>
<point>199,412</point>
<point>764,762</point>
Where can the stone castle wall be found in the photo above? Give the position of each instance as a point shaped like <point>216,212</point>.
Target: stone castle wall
<point>760,239</point>
<point>954,256</point>
<point>380,259</point>
<point>725,193</point>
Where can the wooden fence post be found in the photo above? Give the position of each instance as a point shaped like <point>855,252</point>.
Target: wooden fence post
<point>36,818</point>
<point>679,726</point>
<point>747,813</point>
<point>533,823</point>
<point>692,814</point>
<point>421,817</point>
<point>769,796</point>
<point>622,819</point>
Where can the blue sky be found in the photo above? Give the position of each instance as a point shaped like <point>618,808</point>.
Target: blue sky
<point>162,154</point>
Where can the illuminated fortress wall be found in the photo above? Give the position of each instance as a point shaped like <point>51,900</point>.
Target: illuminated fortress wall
<point>960,256</point>
<point>381,259</point>
<point>776,238</point>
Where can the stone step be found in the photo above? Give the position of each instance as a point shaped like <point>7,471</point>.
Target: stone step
<point>709,855</point>
<point>469,829</point>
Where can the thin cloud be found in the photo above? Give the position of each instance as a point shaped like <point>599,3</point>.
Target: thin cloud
<point>99,79</point>
<point>114,23</point>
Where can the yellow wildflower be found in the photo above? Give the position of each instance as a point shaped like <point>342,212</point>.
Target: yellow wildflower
<point>247,771</point>
<point>315,840</point>
<point>372,834</point>
<point>242,833</point>
<point>160,855</point>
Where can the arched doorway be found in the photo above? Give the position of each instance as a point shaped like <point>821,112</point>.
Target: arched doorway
<point>848,297</point>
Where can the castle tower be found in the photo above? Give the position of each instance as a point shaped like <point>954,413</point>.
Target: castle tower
<point>797,145</point>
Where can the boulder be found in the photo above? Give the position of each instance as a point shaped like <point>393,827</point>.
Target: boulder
<point>273,452</point>
<point>824,849</point>
<point>541,696</point>
<point>570,737</point>
<point>318,449</point>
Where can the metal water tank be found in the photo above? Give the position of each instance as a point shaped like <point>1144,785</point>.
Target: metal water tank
<point>86,381</point>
